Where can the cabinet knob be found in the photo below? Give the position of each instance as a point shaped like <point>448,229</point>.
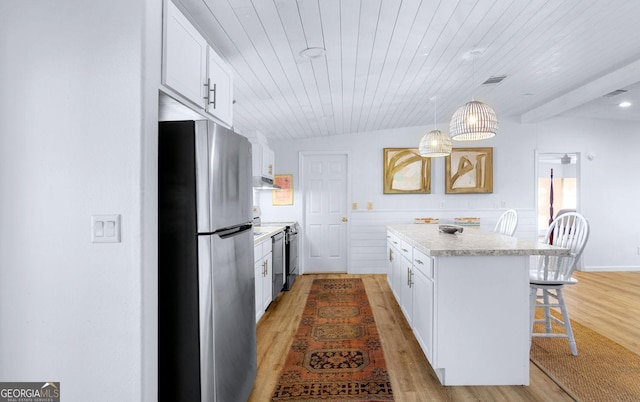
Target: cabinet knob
<point>344,219</point>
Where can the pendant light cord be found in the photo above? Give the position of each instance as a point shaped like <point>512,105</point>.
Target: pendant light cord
<point>473,78</point>
<point>435,112</point>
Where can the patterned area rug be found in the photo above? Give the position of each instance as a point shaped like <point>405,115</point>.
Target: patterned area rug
<point>336,353</point>
<point>603,370</point>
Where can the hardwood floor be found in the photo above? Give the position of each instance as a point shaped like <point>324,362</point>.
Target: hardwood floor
<point>606,302</point>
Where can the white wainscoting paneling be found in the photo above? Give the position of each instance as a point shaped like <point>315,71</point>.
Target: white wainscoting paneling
<point>369,231</point>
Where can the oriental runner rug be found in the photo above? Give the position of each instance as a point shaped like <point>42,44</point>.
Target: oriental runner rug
<point>336,353</point>
<point>603,370</point>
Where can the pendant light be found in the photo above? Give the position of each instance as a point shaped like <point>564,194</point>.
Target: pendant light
<point>474,120</point>
<point>435,142</point>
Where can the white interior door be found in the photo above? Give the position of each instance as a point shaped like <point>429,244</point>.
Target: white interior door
<point>325,214</point>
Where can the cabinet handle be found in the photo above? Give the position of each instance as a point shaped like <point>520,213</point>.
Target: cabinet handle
<point>270,167</point>
<point>209,90</point>
<point>390,255</point>
<point>410,277</point>
<point>264,264</point>
<point>405,250</point>
<point>419,262</point>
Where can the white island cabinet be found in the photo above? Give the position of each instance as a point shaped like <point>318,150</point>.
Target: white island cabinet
<point>470,302</point>
<point>423,291</point>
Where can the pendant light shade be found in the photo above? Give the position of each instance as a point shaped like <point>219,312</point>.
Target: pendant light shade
<point>435,143</point>
<point>473,121</point>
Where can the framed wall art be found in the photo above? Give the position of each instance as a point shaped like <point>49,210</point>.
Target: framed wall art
<point>406,172</point>
<point>469,170</point>
<point>284,196</point>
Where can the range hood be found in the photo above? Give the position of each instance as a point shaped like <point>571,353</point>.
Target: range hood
<point>264,183</point>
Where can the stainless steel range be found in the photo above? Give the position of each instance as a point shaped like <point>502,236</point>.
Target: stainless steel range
<point>291,254</point>
<point>290,249</point>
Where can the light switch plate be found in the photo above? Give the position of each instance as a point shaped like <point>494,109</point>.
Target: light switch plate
<point>105,228</point>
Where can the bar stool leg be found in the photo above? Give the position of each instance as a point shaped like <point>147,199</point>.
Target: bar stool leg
<point>567,323</point>
<point>547,310</point>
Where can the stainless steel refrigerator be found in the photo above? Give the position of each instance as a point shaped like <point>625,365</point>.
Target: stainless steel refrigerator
<point>206,308</point>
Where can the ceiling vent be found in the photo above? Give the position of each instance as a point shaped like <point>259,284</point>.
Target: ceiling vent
<point>494,80</point>
<point>615,93</point>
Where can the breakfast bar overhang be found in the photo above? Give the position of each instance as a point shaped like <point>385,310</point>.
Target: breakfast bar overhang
<point>470,301</point>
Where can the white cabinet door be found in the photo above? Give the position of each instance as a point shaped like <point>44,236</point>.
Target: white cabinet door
<point>259,272</point>
<point>219,88</point>
<point>406,293</point>
<point>263,280</point>
<point>423,296</point>
<point>262,158</point>
<point>184,57</point>
<point>267,162</point>
<point>397,274</point>
<point>390,257</point>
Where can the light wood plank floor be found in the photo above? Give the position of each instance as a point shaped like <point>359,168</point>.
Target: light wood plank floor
<point>606,302</point>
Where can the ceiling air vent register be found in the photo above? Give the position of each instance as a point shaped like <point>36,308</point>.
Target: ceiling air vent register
<point>615,93</point>
<point>494,80</point>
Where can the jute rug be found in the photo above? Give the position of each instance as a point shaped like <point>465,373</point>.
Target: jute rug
<point>336,353</point>
<point>603,370</point>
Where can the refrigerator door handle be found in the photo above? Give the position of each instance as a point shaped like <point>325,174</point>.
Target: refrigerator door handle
<point>233,231</point>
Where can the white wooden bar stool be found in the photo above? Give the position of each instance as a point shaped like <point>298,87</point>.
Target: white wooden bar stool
<point>507,223</point>
<point>552,273</point>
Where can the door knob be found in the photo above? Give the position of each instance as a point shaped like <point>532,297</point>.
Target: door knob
<point>344,219</point>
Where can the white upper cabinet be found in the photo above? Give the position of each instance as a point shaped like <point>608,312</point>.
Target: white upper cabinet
<point>267,162</point>
<point>220,89</point>
<point>193,70</point>
<point>185,56</point>
<point>263,160</point>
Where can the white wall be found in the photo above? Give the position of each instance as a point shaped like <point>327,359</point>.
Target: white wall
<point>607,185</point>
<point>609,189</point>
<point>73,133</point>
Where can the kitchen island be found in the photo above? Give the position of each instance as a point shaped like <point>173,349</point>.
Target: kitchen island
<point>466,297</point>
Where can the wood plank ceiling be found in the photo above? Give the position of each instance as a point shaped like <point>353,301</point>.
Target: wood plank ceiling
<point>386,60</point>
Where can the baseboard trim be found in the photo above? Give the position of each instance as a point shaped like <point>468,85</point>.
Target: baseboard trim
<point>614,268</point>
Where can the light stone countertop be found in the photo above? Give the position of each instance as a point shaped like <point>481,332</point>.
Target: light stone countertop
<point>264,232</point>
<point>471,242</point>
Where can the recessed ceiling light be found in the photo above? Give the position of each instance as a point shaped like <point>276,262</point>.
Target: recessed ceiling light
<point>312,52</point>
<point>624,104</point>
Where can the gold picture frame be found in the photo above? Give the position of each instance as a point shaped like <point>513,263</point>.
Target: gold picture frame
<point>406,172</point>
<point>283,196</point>
<point>469,170</point>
